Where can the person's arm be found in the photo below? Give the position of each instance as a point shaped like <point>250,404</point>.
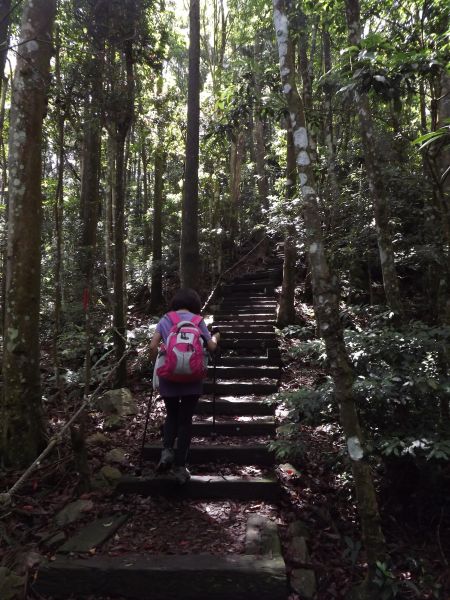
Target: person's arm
<point>154,344</point>
<point>213,342</point>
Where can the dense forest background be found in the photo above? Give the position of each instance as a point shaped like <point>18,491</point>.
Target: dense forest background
<point>324,126</point>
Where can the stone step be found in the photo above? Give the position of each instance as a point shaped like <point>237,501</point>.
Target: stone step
<point>165,577</point>
<point>235,407</point>
<point>95,534</point>
<point>234,428</point>
<point>239,388</point>
<point>250,454</point>
<point>208,487</point>
<point>253,342</point>
<point>231,372</point>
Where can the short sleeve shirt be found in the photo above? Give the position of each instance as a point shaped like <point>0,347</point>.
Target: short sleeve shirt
<point>170,389</point>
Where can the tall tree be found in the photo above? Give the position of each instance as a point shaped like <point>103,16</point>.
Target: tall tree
<point>189,246</point>
<point>22,423</point>
<point>376,184</point>
<point>286,311</point>
<point>326,298</point>
<point>120,112</point>
<point>156,300</point>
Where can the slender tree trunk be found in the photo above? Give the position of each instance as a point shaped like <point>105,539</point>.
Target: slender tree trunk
<point>90,194</point>
<point>58,217</point>
<point>146,249</point>
<point>374,176</point>
<point>259,136</point>
<point>189,247</point>
<point>110,203</point>
<point>119,319</point>
<point>329,125</point>
<point>22,423</point>
<point>236,159</point>
<point>157,299</point>
<point>326,300</point>
<point>286,312</point>
<point>5,19</point>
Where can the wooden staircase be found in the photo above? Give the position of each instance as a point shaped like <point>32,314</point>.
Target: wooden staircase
<point>247,371</point>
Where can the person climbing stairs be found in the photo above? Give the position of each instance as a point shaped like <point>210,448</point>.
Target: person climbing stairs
<point>247,371</point>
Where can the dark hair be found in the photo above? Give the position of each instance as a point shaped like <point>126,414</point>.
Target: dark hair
<point>186,298</point>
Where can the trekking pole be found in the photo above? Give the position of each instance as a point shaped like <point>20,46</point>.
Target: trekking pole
<point>214,433</point>
<point>138,470</point>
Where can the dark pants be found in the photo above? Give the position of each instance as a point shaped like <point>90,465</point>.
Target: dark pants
<point>178,424</point>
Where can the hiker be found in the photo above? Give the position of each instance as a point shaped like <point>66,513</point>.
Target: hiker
<point>180,392</point>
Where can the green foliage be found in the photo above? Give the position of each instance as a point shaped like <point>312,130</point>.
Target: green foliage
<point>401,383</point>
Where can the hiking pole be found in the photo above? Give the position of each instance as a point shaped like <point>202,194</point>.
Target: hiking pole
<point>138,470</point>
<point>214,433</point>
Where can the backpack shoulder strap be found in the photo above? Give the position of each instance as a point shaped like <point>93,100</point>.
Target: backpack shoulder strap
<point>174,317</point>
<point>196,320</point>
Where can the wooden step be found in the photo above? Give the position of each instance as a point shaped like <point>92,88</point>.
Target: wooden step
<point>208,487</point>
<point>234,406</point>
<point>245,311</point>
<point>262,286</point>
<point>242,327</point>
<point>245,360</point>
<point>234,428</point>
<point>266,318</point>
<point>253,342</point>
<point>239,388</point>
<point>249,454</point>
<point>257,275</point>
<point>250,372</point>
<point>244,335</point>
<point>246,302</point>
<point>165,577</point>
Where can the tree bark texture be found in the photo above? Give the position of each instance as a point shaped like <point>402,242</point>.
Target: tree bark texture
<point>5,19</point>
<point>123,120</point>
<point>236,159</point>
<point>286,311</point>
<point>326,301</point>
<point>374,177</point>
<point>157,299</point>
<point>22,423</point>
<point>189,247</point>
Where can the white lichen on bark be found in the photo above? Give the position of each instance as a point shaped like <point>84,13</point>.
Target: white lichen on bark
<point>355,449</point>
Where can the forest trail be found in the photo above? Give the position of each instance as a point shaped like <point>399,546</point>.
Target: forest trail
<point>247,370</point>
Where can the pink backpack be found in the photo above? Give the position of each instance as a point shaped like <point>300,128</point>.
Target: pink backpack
<point>185,358</point>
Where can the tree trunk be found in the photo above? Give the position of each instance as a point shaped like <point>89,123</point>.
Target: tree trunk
<point>58,216</point>
<point>110,204</point>
<point>90,179</point>
<point>189,246</point>
<point>5,19</point>
<point>286,311</point>
<point>22,423</point>
<point>326,300</point>
<point>374,176</point>
<point>236,159</point>
<point>146,246</point>
<point>157,299</point>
